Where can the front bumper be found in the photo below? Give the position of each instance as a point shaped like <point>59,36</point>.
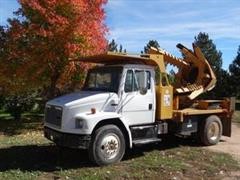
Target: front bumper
<point>67,139</point>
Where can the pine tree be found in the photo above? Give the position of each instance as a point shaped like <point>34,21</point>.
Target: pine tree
<point>120,48</point>
<point>112,46</point>
<point>210,51</point>
<point>3,39</point>
<point>234,69</point>
<point>151,43</point>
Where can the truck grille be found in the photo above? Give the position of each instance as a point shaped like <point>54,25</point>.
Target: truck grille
<point>53,115</point>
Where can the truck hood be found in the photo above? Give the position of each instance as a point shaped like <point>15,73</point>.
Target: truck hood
<point>82,98</point>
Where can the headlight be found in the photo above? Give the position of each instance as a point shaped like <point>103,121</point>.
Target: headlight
<point>80,124</point>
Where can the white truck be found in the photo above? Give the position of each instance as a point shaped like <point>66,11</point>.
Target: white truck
<point>122,104</point>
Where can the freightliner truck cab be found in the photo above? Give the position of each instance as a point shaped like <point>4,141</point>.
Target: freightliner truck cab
<point>122,104</point>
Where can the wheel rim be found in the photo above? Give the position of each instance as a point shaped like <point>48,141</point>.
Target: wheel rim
<point>213,131</point>
<point>110,146</point>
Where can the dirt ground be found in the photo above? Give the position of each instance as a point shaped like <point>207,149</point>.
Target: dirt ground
<point>230,145</point>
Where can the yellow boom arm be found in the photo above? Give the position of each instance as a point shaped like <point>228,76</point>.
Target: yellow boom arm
<point>195,76</point>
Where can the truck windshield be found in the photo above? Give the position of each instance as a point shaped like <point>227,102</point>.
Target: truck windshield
<point>103,79</point>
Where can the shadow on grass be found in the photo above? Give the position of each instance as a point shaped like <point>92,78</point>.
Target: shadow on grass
<point>47,158</point>
<point>50,158</point>
<point>167,143</point>
<point>10,127</point>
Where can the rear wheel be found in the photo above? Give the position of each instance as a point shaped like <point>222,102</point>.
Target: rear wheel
<point>107,146</point>
<point>211,130</point>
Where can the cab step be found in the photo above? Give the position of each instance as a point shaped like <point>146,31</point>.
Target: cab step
<point>146,141</point>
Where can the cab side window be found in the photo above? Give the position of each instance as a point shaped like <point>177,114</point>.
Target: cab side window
<point>144,74</point>
<point>130,83</point>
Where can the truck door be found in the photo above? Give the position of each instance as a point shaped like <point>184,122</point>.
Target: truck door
<point>138,105</point>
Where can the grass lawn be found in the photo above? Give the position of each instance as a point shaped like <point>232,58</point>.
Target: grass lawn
<point>26,154</point>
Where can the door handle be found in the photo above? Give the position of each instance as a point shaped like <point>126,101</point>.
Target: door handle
<point>114,104</point>
<point>150,107</point>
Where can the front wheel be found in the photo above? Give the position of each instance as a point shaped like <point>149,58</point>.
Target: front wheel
<point>107,146</point>
<point>211,131</point>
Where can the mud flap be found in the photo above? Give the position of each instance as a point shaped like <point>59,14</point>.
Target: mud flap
<point>227,121</point>
<point>227,127</point>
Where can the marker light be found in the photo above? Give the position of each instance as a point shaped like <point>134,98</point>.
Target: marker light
<point>93,111</point>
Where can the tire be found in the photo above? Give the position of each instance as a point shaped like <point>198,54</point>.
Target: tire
<point>211,131</point>
<point>107,146</point>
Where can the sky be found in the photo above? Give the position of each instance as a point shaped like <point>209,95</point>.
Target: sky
<point>133,23</point>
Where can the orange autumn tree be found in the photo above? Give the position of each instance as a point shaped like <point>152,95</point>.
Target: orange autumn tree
<point>45,37</point>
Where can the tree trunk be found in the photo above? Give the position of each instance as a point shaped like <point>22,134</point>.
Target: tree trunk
<point>17,116</point>
<point>51,92</point>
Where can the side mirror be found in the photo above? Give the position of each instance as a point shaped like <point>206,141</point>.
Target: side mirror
<point>142,82</point>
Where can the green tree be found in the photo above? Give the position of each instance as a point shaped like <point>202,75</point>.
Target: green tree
<point>214,58</point>
<point>209,50</point>
<point>234,69</point>
<point>113,47</point>
<point>223,87</point>
<point>3,38</point>
<point>120,48</point>
<point>151,43</point>
<point>17,104</point>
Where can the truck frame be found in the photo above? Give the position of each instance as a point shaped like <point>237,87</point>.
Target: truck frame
<point>128,100</point>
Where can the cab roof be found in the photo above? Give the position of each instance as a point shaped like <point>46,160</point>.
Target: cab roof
<point>118,58</point>
<point>133,66</point>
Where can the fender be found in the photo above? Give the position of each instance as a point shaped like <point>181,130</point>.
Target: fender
<point>92,120</point>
